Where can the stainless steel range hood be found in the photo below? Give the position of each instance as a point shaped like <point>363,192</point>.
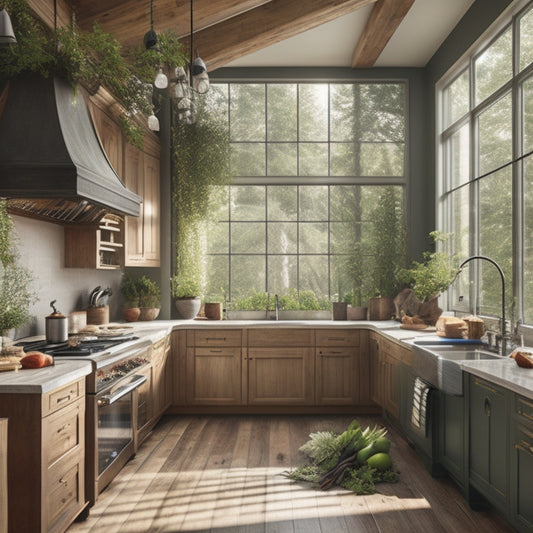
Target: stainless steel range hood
<point>51,163</point>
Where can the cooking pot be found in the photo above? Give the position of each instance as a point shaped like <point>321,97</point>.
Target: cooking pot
<point>56,326</point>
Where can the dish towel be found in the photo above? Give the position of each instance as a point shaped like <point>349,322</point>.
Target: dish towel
<point>419,418</point>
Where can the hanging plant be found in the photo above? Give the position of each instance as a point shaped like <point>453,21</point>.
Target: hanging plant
<point>88,58</point>
<point>200,163</point>
<point>16,291</point>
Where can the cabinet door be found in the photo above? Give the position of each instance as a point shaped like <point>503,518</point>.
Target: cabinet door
<point>451,435</point>
<point>151,201</point>
<point>134,181</point>
<point>489,440</point>
<point>337,376</point>
<point>143,407</point>
<point>214,376</point>
<point>110,137</point>
<point>391,384</point>
<point>280,376</point>
<point>376,370</point>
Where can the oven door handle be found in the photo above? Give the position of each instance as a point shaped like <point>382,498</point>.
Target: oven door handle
<point>108,399</point>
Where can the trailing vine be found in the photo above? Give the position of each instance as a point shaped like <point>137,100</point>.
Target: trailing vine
<point>90,58</point>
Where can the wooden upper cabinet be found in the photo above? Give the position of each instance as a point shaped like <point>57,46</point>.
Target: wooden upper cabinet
<point>151,217</point>
<point>110,137</point>
<point>134,181</point>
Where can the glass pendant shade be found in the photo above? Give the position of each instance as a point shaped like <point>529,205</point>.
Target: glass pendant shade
<point>161,81</point>
<point>7,35</point>
<point>153,122</point>
<point>181,90</point>
<point>198,66</point>
<point>150,39</point>
<point>180,74</point>
<point>200,82</point>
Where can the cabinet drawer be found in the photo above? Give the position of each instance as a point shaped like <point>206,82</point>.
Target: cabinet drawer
<point>335,337</point>
<point>64,494</point>
<point>280,337</point>
<point>217,337</point>
<point>524,409</point>
<point>58,398</point>
<point>63,431</point>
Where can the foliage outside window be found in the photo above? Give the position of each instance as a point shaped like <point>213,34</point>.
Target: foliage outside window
<point>486,167</point>
<point>310,163</point>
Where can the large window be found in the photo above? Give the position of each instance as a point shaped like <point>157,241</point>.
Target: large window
<point>486,138</point>
<point>311,162</point>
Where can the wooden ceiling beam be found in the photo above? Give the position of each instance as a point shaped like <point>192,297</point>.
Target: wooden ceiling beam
<point>384,19</point>
<point>265,25</point>
<point>129,20</point>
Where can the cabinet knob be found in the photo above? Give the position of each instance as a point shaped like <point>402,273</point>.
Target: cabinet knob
<point>487,406</point>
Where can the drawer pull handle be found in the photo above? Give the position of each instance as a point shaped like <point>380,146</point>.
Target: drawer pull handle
<point>215,339</point>
<point>487,387</point>
<point>215,351</point>
<point>63,398</point>
<point>66,426</point>
<point>525,415</point>
<point>336,339</point>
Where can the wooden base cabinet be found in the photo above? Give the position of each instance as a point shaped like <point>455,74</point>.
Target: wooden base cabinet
<point>46,455</point>
<point>337,367</point>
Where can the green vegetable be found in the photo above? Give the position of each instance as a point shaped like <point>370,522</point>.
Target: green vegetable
<point>381,444</point>
<point>380,460</point>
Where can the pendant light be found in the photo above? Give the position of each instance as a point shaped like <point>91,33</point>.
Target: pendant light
<point>150,42</point>
<point>7,35</point>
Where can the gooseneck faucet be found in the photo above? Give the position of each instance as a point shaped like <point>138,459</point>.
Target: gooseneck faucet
<point>502,276</point>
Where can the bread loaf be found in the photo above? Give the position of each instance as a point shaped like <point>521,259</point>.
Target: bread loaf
<point>36,360</point>
<point>522,358</point>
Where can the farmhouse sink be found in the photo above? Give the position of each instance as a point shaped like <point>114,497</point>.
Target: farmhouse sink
<point>440,365</point>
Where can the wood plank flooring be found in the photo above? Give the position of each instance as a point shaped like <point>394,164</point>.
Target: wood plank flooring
<point>222,474</point>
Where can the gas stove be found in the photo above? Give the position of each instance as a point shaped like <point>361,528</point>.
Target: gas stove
<point>78,349</point>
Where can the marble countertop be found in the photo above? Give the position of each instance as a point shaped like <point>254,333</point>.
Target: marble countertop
<point>41,380</point>
<point>503,372</point>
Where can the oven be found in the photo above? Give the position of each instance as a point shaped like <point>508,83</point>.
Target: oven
<point>111,415</point>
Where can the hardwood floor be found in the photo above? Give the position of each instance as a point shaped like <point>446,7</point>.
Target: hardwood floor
<point>222,474</point>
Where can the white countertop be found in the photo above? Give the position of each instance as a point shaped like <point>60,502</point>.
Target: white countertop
<point>40,380</point>
<point>505,373</point>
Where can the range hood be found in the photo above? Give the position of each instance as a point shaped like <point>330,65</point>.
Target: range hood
<point>52,165</point>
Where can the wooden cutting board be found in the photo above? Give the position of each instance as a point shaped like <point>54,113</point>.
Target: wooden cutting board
<point>419,327</point>
<point>9,365</point>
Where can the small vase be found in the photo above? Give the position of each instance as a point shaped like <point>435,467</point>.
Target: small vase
<point>131,314</point>
<point>213,310</point>
<point>187,308</point>
<point>380,309</point>
<point>149,313</point>
<point>340,310</point>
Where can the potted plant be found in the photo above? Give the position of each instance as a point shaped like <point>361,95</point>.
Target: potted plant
<point>128,288</point>
<point>426,280</point>
<point>149,298</point>
<point>304,305</point>
<point>389,252</point>
<point>16,291</point>
<point>186,293</point>
<point>253,307</point>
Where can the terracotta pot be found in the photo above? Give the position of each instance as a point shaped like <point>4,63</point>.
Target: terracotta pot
<point>380,308</point>
<point>213,310</point>
<point>131,314</point>
<point>187,308</point>
<point>149,313</point>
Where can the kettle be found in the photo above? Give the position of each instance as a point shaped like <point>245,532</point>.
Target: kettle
<point>56,325</point>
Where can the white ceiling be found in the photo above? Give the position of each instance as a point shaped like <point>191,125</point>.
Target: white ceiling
<point>418,37</point>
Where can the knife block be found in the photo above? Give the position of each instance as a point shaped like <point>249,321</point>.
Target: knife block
<point>98,315</point>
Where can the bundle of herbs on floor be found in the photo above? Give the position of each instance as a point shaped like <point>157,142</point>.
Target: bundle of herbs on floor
<point>355,459</point>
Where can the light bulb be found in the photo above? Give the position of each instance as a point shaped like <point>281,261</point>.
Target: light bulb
<point>161,81</point>
<point>153,122</point>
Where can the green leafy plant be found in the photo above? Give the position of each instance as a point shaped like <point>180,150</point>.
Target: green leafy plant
<point>341,459</point>
<point>433,275</point>
<point>149,292</point>
<point>257,301</point>
<point>16,291</point>
<point>200,161</point>
<point>129,290</point>
<point>91,58</point>
<point>389,243</point>
<point>184,288</point>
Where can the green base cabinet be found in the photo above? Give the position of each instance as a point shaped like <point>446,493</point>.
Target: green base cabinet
<point>489,441</point>
<point>522,464</point>
<point>452,451</point>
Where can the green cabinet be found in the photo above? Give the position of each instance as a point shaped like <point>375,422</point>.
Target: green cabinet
<point>522,464</point>
<point>452,450</point>
<point>489,441</point>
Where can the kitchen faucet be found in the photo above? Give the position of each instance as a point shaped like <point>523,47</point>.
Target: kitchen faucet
<point>503,348</point>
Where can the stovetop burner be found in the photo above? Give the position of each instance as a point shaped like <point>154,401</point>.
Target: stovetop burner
<point>64,349</point>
